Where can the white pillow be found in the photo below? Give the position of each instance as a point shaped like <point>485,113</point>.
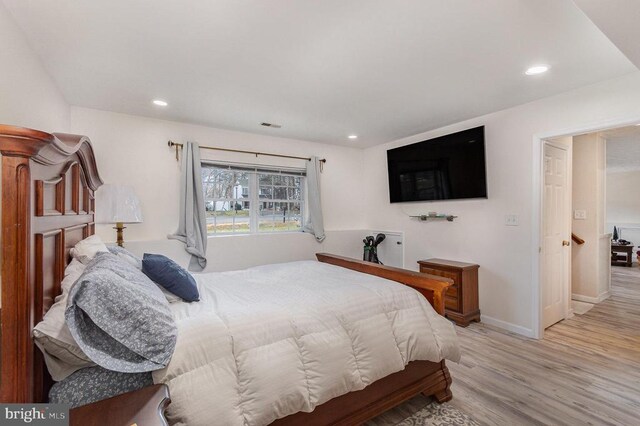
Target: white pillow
<point>171,298</point>
<point>87,249</point>
<point>126,255</point>
<point>62,354</point>
<point>71,274</point>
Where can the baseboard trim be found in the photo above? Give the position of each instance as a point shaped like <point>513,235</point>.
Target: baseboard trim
<point>527,332</point>
<point>589,299</point>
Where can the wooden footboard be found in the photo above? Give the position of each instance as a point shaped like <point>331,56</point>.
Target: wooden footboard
<point>430,286</point>
<point>355,408</point>
<point>428,378</point>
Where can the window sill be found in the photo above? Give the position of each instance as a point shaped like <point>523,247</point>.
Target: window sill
<point>255,234</point>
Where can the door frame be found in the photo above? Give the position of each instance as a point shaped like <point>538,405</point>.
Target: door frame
<point>536,219</point>
<point>566,288</point>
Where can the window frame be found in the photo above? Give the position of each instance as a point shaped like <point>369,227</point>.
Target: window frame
<point>254,195</point>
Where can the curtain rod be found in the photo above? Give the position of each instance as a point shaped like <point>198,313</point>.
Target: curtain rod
<point>256,153</point>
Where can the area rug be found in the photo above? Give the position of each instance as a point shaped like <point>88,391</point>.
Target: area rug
<point>436,414</point>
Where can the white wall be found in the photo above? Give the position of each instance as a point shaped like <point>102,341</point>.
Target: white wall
<point>133,150</point>
<point>28,96</point>
<point>228,253</point>
<point>623,204</point>
<point>479,234</point>
<point>588,194</point>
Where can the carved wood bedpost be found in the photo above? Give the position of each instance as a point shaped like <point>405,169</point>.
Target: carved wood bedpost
<point>17,290</point>
<point>25,293</point>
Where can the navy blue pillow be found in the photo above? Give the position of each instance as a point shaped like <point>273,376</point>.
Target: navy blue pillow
<point>168,274</point>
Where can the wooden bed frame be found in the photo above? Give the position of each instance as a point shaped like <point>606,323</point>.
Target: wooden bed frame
<point>429,378</point>
<point>48,181</point>
<point>48,184</point>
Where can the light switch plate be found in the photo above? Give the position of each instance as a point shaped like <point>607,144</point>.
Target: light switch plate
<point>511,220</point>
<point>580,214</point>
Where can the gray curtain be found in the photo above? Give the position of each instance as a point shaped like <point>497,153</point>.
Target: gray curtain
<point>192,223</point>
<point>314,223</point>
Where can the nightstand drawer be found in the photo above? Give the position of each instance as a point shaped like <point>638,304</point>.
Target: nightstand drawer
<point>452,303</point>
<point>453,291</point>
<point>455,276</point>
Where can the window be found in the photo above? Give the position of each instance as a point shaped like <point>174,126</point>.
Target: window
<point>243,200</point>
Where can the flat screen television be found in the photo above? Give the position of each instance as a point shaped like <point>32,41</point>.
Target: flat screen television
<point>450,167</point>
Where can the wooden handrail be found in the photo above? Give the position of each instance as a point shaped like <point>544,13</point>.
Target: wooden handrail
<point>579,241</point>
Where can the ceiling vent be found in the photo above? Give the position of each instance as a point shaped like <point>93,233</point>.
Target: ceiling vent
<point>275,126</point>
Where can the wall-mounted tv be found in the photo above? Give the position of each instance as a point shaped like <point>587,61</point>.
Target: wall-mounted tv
<point>450,167</point>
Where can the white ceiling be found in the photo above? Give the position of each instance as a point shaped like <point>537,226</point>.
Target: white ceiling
<point>323,69</point>
<point>619,20</point>
<point>623,149</point>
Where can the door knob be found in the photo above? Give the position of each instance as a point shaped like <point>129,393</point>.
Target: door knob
<point>566,243</point>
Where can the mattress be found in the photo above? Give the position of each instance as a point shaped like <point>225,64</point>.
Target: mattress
<point>274,340</point>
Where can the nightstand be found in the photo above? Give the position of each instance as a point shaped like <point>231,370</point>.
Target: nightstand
<point>461,301</point>
<point>144,407</point>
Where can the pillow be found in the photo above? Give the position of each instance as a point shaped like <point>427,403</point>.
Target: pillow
<point>61,353</point>
<point>95,384</point>
<point>168,274</point>
<point>120,318</point>
<point>87,249</point>
<point>134,260</point>
<point>126,255</point>
<point>171,298</point>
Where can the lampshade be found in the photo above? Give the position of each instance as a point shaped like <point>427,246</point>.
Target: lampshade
<point>118,203</point>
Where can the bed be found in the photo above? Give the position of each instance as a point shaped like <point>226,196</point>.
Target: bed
<point>48,182</point>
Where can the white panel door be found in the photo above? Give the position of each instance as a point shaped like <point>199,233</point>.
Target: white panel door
<point>555,248</point>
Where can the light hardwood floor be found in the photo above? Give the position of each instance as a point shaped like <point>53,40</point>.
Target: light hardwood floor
<point>586,371</point>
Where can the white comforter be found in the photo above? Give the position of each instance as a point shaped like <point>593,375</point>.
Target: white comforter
<point>270,341</point>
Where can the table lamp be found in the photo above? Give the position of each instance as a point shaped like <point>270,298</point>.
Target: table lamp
<point>119,204</point>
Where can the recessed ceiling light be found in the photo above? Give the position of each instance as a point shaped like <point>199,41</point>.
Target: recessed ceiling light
<point>160,102</point>
<point>538,69</point>
<point>353,136</point>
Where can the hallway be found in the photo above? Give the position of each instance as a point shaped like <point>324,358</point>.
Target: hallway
<point>585,371</point>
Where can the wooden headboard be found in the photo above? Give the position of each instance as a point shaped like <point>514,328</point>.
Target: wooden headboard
<point>48,184</point>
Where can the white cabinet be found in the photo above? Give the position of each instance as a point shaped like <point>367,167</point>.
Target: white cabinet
<point>391,250</point>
